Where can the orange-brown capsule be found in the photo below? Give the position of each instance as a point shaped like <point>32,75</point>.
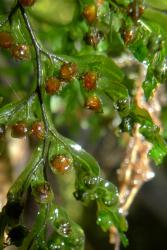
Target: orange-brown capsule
<point>68,71</point>
<point>6,40</point>
<point>38,130</point>
<point>90,13</point>
<point>52,85</point>
<point>27,3</point>
<point>21,52</point>
<point>93,103</point>
<point>141,10</point>
<point>89,80</point>
<point>61,164</point>
<point>19,130</point>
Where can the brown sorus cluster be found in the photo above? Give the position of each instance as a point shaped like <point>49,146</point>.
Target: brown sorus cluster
<point>61,163</point>
<point>52,85</point>
<point>128,36</point>
<point>27,3</point>
<point>89,80</point>
<point>38,130</point>
<point>135,10</point>
<point>21,52</point>
<point>6,40</point>
<point>93,103</point>
<point>19,130</point>
<point>43,192</point>
<point>93,38</point>
<point>18,51</point>
<point>68,71</point>
<point>90,13</point>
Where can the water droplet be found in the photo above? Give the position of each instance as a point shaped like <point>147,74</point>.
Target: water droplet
<point>65,229</point>
<point>122,106</point>
<point>126,124</point>
<point>57,245</point>
<point>78,194</point>
<point>110,199</point>
<point>76,147</point>
<point>91,181</point>
<point>155,43</point>
<point>42,193</point>
<point>160,71</point>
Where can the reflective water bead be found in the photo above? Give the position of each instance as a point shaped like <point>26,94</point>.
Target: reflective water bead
<point>135,10</point>
<point>65,228</point>
<point>78,194</point>
<point>57,244</point>
<point>122,105</point>
<point>126,124</point>
<point>42,192</point>
<point>93,38</point>
<point>91,181</point>
<point>160,71</point>
<point>128,36</point>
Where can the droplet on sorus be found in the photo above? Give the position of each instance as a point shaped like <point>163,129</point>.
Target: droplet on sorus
<point>19,130</point>
<point>91,182</point>
<point>42,193</point>
<point>27,3</point>
<point>126,124</point>
<point>65,229</point>
<point>6,40</point>
<point>61,164</point>
<point>38,130</point>
<point>2,130</point>
<point>135,10</point>
<point>52,85</point>
<point>21,52</point>
<point>89,80</point>
<point>128,36</point>
<point>93,103</point>
<point>122,105</point>
<point>90,13</point>
<point>68,71</point>
<point>93,38</point>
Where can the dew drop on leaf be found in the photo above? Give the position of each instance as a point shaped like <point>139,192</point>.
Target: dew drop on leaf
<point>65,229</point>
